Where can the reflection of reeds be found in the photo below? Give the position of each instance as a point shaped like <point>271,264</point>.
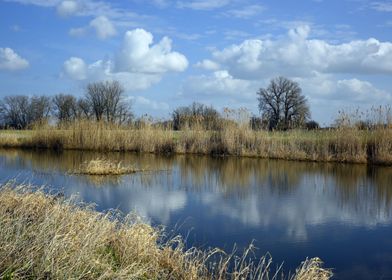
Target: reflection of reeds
<point>100,166</point>
<point>45,237</point>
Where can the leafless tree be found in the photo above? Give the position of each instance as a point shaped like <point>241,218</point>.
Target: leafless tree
<point>107,101</point>
<point>15,111</point>
<point>65,107</point>
<point>283,104</point>
<point>40,107</point>
<point>84,110</point>
<point>21,111</point>
<point>95,96</point>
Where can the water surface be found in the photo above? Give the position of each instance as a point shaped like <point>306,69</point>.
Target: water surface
<point>340,213</point>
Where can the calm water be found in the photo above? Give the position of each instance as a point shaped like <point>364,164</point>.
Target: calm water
<point>341,213</point>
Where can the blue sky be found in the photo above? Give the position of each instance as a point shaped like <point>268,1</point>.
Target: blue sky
<point>218,52</point>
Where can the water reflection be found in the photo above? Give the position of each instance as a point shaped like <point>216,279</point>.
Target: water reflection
<point>292,209</point>
<point>251,191</point>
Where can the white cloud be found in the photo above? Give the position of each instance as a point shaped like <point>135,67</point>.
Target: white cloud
<point>75,68</point>
<point>297,55</point>
<point>208,65</point>
<point>325,71</point>
<point>101,25</point>
<point>246,12</point>
<point>89,8</point>
<point>138,54</point>
<point>10,60</point>
<point>356,91</point>
<point>138,65</point>
<point>67,8</point>
<point>104,28</point>
<point>337,94</point>
<point>361,91</point>
<point>220,83</point>
<point>142,101</point>
<point>203,4</point>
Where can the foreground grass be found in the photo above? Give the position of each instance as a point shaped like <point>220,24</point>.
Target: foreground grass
<point>338,145</point>
<point>47,237</point>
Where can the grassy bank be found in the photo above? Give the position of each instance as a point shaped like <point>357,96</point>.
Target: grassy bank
<point>347,144</point>
<point>47,237</point>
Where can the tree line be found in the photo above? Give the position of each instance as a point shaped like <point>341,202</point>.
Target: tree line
<point>102,101</point>
<point>281,104</point>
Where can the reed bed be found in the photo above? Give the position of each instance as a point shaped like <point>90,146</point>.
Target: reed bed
<point>343,144</point>
<point>45,236</point>
<point>100,166</point>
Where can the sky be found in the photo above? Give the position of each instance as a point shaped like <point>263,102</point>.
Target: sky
<point>170,53</point>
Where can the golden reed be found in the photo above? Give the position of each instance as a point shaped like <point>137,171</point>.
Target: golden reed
<point>344,144</point>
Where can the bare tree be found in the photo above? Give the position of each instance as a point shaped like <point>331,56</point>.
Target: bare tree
<point>15,111</point>
<point>21,111</point>
<point>40,107</point>
<point>84,110</point>
<point>107,101</point>
<point>95,96</point>
<point>65,107</point>
<point>114,103</point>
<point>283,104</point>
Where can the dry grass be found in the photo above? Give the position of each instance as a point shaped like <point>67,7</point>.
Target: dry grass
<point>310,269</point>
<point>100,166</point>
<point>345,144</point>
<point>46,237</point>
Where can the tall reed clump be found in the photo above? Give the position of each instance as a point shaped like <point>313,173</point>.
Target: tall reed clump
<point>47,237</point>
<point>101,136</point>
<point>100,166</point>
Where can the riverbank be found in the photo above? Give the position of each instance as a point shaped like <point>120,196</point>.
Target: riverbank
<point>47,237</point>
<point>350,145</point>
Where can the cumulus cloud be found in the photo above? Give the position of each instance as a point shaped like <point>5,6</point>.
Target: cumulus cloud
<point>220,83</point>
<point>104,28</point>
<point>208,65</point>
<point>101,25</point>
<point>297,55</point>
<point>138,65</point>
<point>138,54</point>
<point>67,8</point>
<point>361,91</point>
<point>75,68</point>
<point>326,86</point>
<point>11,61</point>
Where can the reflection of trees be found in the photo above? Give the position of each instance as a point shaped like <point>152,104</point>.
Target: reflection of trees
<point>359,185</point>
<point>236,177</point>
<point>239,176</point>
<point>382,179</point>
